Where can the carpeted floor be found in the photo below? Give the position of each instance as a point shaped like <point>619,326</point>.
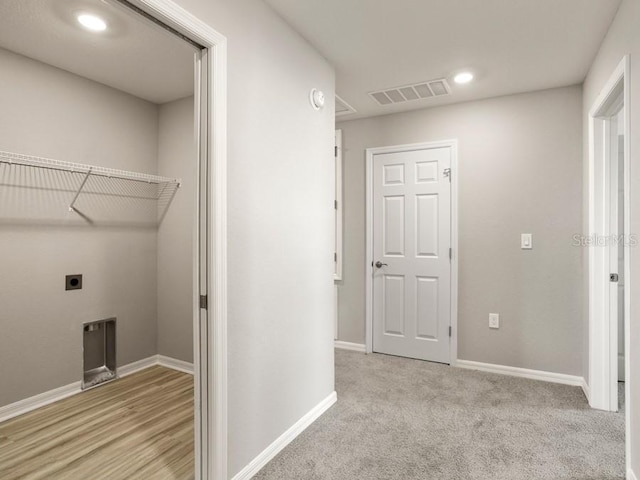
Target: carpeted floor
<point>406,419</point>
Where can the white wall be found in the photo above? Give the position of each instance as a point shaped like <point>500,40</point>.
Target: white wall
<point>519,172</point>
<point>177,159</point>
<point>280,225</point>
<point>49,112</point>
<point>623,38</point>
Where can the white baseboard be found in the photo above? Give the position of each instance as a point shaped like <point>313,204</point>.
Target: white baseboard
<point>134,367</point>
<point>572,380</point>
<point>37,401</point>
<point>285,439</point>
<point>355,347</point>
<point>631,475</point>
<point>23,406</point>
<point>586,389</point>
<point>175,364</point>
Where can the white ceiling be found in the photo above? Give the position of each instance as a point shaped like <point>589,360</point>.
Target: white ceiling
<point>512,46</point>
<point>132,55</point>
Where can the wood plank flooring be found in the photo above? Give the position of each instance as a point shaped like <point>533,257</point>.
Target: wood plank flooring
<point>137,427</point>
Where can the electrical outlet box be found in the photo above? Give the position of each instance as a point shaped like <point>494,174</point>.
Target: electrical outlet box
<point>73,282</point>
<point>494,320</point>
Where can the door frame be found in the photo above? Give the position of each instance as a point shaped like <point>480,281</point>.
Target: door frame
<point>210,336</point>
<point>452,144</point>
<point>338,210</point>
<point>603,332</point>
<point>337,276</point>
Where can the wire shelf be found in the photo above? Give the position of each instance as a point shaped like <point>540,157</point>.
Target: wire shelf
<point>42,188</point>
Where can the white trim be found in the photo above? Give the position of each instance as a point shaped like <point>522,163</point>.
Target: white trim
<point>585,389</point>
<point>28,404</point>
<point>335,311</point>
<point>631,475</point>
<point>218,284</point>
<point>603,362</point>
<point>43,399</point>
<point>368,259</point>
<point>338,193</point>
<point>175,364</point>
<point>285,439</point>
<point>370,152</point>
<point>455,173</point>
<point>629,436</point>
<point>601,330</point>
<point>134,367</point>
<point>198,262</point>
<point>562,378</point>
<point>212,463</point>
<point>354,347</point>
<point>338,206</point>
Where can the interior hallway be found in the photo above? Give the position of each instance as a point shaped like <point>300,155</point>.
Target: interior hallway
<point>406,419</point>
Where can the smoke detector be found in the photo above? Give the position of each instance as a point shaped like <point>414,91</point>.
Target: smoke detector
<point>316,98</point>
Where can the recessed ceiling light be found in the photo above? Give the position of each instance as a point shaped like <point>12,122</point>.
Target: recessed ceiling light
<point>464,77</point>
<point>91,22</point>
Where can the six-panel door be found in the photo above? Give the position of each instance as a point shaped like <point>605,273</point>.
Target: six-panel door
<point>411,239</point>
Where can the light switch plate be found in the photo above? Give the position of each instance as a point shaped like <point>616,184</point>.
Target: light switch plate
<point>494,320</point>
<point>526,241</point>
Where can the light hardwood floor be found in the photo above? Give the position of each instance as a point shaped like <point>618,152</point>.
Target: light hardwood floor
<point>137,427</point>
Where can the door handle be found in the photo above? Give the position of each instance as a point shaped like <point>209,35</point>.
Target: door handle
<point>379,264</point>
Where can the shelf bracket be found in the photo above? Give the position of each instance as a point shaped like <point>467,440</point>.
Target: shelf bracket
<point>84,181</point>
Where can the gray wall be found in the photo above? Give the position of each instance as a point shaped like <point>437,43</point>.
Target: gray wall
<point>49,112</point>
<point>280,225</point>
<point>519,172</point>
<point>623,38</point>
<point>177,159</point>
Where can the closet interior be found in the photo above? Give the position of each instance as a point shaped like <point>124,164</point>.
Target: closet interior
<point>98,205</point>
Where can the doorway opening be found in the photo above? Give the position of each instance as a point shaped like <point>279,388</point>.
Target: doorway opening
<point>112,128</point>
<point>608,241</point>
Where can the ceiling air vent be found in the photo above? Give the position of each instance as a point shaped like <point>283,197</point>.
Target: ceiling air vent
<point>408,93</point>
<point>343,108</point>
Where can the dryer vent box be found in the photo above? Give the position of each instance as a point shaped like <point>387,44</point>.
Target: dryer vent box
<point>99,352</point>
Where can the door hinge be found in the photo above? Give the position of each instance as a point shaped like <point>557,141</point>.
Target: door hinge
<point>450,253</point>
<point>449,330</point>
<point>613,277</point>
<point>335,151</point>
<point>335,257</point>
<point>204,302</point>
<point>335,204</point>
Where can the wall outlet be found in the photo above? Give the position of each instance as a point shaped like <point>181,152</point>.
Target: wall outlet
<point>494,320</point>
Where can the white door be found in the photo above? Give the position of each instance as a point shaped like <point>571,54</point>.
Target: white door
<point>411,253</point>
<point>617,237</point>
